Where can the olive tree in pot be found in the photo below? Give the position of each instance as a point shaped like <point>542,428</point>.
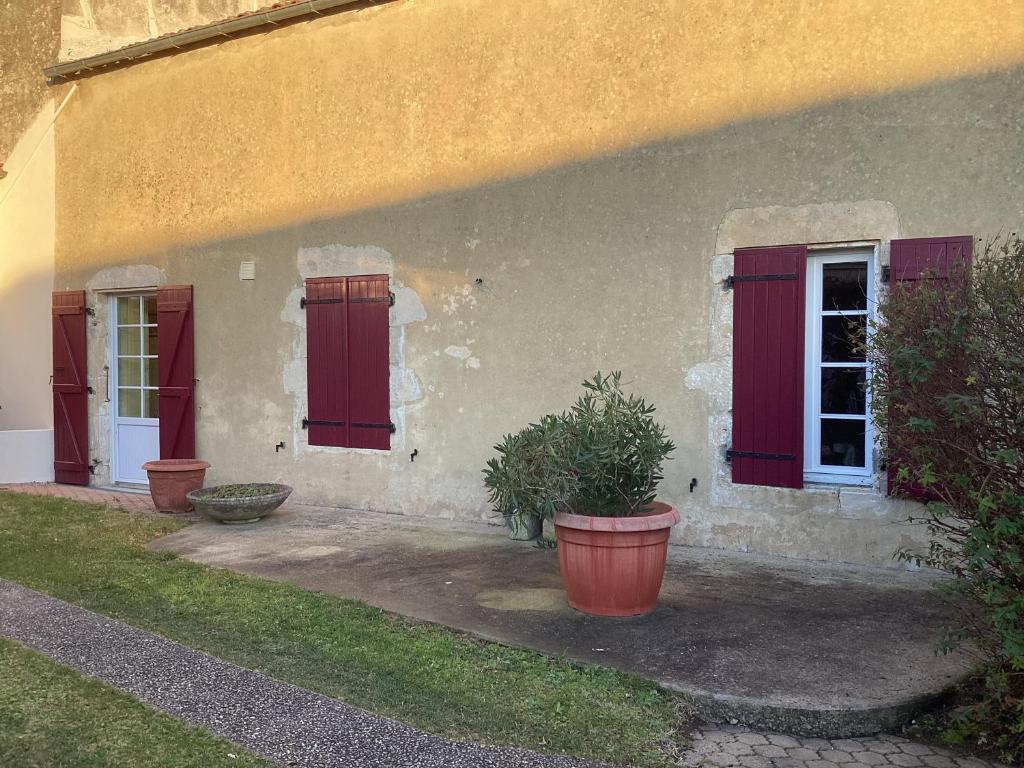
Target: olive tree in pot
<point>595,470</point>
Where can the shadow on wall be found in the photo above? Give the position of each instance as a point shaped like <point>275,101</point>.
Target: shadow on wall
<point>596,265</point>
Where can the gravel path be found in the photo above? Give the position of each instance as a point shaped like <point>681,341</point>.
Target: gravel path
<point>296,727</point>
<point>281,722</point>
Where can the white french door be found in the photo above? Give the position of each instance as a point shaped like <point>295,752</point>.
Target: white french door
<point>134,402</point>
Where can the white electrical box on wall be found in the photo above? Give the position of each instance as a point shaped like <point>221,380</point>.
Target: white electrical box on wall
<point>247,270</point>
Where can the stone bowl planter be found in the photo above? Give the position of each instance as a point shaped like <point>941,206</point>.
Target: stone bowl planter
<point>170,480</point>
<point>239,503</point>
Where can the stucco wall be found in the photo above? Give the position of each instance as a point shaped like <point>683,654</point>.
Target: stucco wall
<point>89,27</point>
<point>553,187</point>
<point>29,37</point>
<point>27,202</point>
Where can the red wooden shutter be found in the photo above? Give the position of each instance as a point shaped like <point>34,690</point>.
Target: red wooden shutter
<point>369,401</point>
<point>347,363</point>
<point>934,257</point>
<point>326,361</point>
<point>70,390</point>
<point>912,259</point>
<point>176,372</point>
<point>768,366</point>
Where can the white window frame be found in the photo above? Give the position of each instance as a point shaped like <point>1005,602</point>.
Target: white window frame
<point>814,471</point>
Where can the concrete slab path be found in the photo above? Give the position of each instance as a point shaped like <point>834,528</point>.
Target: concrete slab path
<point>284,723</point>
<point>802,648</point>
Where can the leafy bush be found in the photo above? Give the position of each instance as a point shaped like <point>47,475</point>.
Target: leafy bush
<point>948,396</point>
<point>603,457</point>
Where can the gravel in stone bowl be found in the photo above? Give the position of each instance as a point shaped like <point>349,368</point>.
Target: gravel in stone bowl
<point>240,502</point>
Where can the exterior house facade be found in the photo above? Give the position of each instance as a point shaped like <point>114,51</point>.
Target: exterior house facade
<point>350,251</point>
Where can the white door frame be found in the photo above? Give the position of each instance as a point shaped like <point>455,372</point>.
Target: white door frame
<point>115,418</point>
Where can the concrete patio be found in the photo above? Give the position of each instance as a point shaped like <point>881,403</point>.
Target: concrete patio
<point>804,648</point>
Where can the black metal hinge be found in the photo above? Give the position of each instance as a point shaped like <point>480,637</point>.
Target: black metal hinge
<point>731,280</point>
<point>306,423</point>
<point>731,454</point>
<point>390,299</point>
<point>321,423</point>
<point>304,301</point>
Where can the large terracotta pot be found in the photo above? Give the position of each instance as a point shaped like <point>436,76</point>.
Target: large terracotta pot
<point>613,566</point>
<point>170,480</point>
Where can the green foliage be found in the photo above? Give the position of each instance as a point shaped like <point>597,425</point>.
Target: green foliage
<point>436,679</point>
<point>602,457</point>
<point>948,396</point>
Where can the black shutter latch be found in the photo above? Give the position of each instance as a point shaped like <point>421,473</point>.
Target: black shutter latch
<point>731,280</point>
<point>731,454</point>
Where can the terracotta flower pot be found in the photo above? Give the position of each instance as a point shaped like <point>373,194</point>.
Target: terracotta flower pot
<point>170,480</point>
<point>613,566</point>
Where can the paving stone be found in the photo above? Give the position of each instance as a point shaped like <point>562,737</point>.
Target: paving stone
<point>914,748</point>
<point>737,748</point>
<point>751,738</point>
<point>820,764</point>
<point>782,741</point>
<point>719,736</point>
<point>836,756</point>
<point>818,744</point>
<point>802,753</point>
<point>870,758</point>
<point>847,745</point>
<point>936,760</point>
<point>755,761</point>
<point>904,760</point>
<point>883,747</point>
<point>769,750</point>
<point>971,762</point>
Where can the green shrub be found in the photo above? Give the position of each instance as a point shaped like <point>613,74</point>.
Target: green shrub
<point>603,457</point>
<point>948,397</point>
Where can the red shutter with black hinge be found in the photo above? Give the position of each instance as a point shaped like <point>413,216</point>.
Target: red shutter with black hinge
<point>768,366</point>
<point>924,258</point>
<point>369,401</point>
<point>70,389</point>
<point>176,371</point>
<point>929,257</point>
<point>326,361</point>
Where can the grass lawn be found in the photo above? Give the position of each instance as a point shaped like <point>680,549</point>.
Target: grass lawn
<point>52,716</point>
<point>428,676</point>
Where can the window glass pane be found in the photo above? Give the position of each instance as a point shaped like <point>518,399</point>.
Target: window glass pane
<point>149,341</point>
<point>128,341</point>
<point>150,310</point>
<point>129,403</point>
<point>149,369</point>
<point>129,372</point>
<point>152,403</point>
<point>840,336</point>
<point>844,286</point>
<point>128,310</point>
<point>842,390</point>
<point>842,442</point>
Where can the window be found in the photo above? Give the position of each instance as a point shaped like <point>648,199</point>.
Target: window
<point>137,357</point>
<point>347,362</point>
<point>800,404</point>
<point>837,428</point>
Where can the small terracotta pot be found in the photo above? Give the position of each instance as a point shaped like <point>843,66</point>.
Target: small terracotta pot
<point>170,480</point>
<point>613,566</point>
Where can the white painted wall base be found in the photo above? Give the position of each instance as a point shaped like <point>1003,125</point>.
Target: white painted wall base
<point>26,456</point>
